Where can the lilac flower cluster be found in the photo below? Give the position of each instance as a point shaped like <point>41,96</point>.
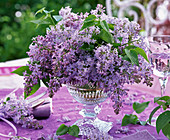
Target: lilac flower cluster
<point>57,57</point>
<point>18,110</point>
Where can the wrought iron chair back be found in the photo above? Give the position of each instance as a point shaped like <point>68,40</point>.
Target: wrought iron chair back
<point>162,12</point>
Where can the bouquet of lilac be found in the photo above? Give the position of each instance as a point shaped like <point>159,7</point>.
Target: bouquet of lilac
<point>89,50</point>
<point>19,111</point>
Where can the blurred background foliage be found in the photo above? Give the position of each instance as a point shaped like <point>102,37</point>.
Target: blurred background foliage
<point>16,31</point>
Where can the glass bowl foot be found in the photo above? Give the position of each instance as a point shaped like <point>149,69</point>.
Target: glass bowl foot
<point>89,126</point>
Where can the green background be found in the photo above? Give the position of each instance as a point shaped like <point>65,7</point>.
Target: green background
<point>16,32</point>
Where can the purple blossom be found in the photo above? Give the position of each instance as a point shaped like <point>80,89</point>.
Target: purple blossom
<point>19,110</point>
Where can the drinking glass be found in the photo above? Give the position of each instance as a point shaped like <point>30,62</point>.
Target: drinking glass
<point>159,56</point>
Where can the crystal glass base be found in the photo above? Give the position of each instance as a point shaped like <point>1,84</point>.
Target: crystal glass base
<point>90,98</point>
<point>87,126</point>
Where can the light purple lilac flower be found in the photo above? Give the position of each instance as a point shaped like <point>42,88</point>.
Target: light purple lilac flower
<point>19,111</point>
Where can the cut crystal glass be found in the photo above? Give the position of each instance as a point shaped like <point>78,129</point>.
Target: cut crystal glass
<point>90,98</point>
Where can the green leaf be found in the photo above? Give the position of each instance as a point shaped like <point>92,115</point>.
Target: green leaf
<point>156,99</point>
<point>90,18</point>
<point>106,36</point>
<point>130,47</point>
<point>162,120</point>
<point>88,24</point>
<point>8,98</point>
<point>129,119</point>
<point>140,107</point>
<point>22,69</point>
<point>89,21</point>
<point>74,130</point>
<point>164,98</point>
<point>62,130</point>
<point>116,45</point>
<point>160,103</point>
<point>142,53</point>
<point>87,47</point>
<point>40,11</point>
<point>111,26</point>
<point>153,112</point>
<point>168,101</point>
<point>104,25</point>
<point>166,130</point>
<point>133,56</point>
<point>57,18</point>
<point>34,89</point>
<point>120,39</point>
<point>45,81</point>
<point>164,107</point>
<point>143,123</point>
<point>126,58</point>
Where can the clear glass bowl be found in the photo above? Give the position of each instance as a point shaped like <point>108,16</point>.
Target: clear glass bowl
<point>90,98</point>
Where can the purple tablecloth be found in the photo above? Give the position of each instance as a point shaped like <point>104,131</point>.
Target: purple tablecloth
<point>65,106</point>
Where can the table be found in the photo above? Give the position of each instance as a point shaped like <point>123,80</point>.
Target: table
<point>65,108</point>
